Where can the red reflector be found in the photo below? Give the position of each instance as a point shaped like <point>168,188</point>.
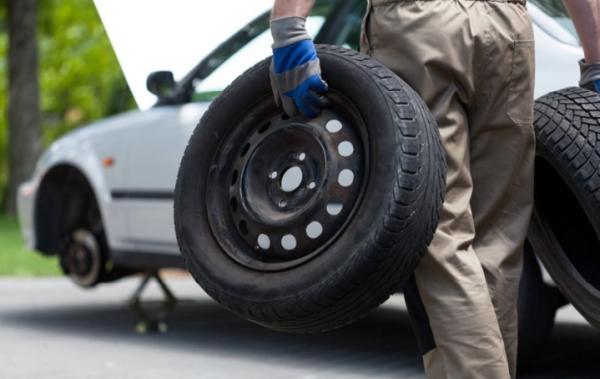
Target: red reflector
<point>108,162</point>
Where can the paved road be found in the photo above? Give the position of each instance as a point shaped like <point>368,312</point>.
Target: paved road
<point>51,329</point>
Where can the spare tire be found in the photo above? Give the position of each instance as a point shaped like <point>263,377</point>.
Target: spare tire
<point>565,227</point>
<point>306,225</point>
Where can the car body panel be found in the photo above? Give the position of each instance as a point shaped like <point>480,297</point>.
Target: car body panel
<point>83,150</point>
<point>25,206</point>
<point>146,197</point>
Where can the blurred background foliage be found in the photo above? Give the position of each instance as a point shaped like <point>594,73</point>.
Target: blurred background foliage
<point>80,77</point>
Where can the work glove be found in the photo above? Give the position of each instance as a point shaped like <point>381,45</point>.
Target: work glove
<point>295,70</point>
<point>590,76</point>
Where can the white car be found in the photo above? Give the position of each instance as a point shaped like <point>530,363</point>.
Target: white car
<point>101,197</point>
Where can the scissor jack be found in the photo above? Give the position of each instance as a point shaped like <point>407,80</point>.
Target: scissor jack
<point>152,318</point>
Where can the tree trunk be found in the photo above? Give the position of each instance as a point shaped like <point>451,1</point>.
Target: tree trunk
<point>24,132</point>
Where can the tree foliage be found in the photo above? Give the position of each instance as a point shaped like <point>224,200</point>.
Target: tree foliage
<point>80,78</point>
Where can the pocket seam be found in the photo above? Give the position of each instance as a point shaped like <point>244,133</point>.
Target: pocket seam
<point>513,110</point>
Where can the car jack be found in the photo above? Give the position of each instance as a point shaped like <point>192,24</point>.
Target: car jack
<point>152,318</point>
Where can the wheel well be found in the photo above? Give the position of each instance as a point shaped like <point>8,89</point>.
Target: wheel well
<point>65,201</point>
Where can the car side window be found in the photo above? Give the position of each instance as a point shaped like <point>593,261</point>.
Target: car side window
<point>250,53</point>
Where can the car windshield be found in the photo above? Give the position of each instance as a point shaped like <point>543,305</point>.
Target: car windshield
<point>556,9</point>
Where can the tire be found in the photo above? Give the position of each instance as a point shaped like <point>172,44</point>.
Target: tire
<point>379,244</point>
<point>538,303</point>
<point>566,220</point>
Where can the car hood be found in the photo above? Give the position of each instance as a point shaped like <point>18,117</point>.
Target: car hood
<point>74,139</point>
<point>170,35</point>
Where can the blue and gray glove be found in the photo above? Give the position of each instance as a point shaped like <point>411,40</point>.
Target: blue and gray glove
<point>590,76</point>
<point>295,70</point>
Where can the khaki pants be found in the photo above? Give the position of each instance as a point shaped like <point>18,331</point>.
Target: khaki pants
<point>473,63</point>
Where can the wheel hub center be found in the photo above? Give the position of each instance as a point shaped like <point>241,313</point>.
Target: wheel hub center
<point>281,175</point>
<point>291,179</point>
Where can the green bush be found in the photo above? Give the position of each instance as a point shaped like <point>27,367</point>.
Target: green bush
<point>18,260</point>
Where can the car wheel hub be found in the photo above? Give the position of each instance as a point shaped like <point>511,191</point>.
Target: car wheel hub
<point>83,259</point>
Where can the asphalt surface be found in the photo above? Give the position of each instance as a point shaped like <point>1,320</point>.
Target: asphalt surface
<point>51,329</point>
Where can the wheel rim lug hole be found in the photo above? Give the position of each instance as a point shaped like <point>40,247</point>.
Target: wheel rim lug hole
<point>314,230</point>
<point>334,126</point>
<point>345,149</point>
<point>346,178</point>
<point>334,208</point>
<point>288,242</point>
<point>264,242</point>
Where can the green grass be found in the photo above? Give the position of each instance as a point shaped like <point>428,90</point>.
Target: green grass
<point>16,259</point>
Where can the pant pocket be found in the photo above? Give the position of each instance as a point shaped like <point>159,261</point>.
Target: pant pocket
<point>521,82</point>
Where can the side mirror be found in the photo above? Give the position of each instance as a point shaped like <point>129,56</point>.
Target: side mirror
<point>161,83</point>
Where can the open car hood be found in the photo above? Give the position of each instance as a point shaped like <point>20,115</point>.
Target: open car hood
<point>172,35</point>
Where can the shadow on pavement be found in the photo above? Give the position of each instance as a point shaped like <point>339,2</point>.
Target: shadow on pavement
<point>573,351</point>
<point>383,342</point>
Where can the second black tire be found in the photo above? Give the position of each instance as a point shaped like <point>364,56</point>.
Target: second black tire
<point>379,245</point>
<point>565,228</point>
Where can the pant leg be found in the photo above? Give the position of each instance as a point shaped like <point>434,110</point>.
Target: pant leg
<point>436,46</point>
<point>502,160</point>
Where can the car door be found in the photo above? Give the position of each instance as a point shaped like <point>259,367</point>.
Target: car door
<point>155,144</point>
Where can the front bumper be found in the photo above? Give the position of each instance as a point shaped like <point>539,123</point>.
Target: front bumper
<point>25,205</point>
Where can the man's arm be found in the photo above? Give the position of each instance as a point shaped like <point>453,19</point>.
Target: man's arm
<point>295,69</point>
<point>290,8</point>
<point>586,17</point>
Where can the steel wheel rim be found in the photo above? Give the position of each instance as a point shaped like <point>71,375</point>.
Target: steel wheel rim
<point>263,220</point>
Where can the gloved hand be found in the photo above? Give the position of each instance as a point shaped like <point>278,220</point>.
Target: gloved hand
<point>590,76</point>
<point>295,70</point>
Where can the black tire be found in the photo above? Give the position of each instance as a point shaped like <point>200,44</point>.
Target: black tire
<point>538,303</point>
<point>380,245</point>
<point>566,220</point>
